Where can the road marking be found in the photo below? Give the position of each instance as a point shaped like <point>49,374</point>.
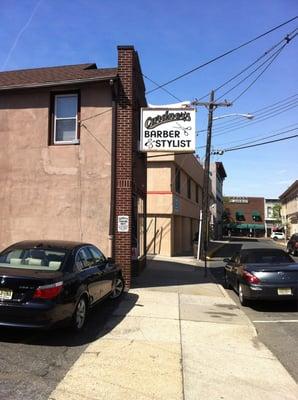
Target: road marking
<point>278,320</point>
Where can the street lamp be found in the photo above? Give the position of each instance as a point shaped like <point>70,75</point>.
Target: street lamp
<point>248,116</point>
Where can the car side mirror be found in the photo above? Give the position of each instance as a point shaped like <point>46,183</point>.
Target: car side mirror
<point>226,260</point>
<point>109,260</point>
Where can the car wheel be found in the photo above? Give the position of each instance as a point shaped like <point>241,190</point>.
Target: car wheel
<point>80,314</point>
<point>118,288</point>
<point>243,300</point>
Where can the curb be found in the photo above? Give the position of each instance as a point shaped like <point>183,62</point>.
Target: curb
<point>210,254</point>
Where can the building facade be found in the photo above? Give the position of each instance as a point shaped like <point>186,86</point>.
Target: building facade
<point>289,209</point>
<point>272,216</point>
<point>174,201</point>
<point>218,175</point>
<point>244,216</point>
<point>69,163</point>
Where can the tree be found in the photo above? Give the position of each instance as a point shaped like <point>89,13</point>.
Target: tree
<point>276,213</point>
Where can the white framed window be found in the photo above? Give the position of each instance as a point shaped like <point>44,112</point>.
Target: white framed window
<point>65,119</point>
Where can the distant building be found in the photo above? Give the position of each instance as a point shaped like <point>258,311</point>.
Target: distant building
<point>174,201</point>
<point>218,174</point>
<point>289,208</point>
<point>272,216</point>
<point>244,216</point>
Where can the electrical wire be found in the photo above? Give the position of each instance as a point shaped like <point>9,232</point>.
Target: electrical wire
<point>221,55</point>
<point>274,133</point>
<point>274,111</point>
<point>259,144</point>
<point>164,89</point>
<point>255,112</point>
<point>249,66</point>
<point>267,137</point>
<point>259,76</point>
<point>251,73</point>
<point>272,115</point>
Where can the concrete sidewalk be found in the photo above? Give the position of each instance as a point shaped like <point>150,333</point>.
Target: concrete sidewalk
<point>184,339</point>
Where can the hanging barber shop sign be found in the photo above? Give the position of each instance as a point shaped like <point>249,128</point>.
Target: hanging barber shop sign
<point>167,130</point>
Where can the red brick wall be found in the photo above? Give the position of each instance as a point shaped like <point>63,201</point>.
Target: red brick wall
<point>131,96</point>
<point>254,204</point>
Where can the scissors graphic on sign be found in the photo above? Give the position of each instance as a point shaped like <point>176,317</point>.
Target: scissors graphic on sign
<point>185,130</point>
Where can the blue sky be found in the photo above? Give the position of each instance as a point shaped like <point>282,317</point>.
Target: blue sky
<point>171,38</point>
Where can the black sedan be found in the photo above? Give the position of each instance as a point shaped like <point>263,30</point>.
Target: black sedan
<point>44,283</point>
<point>262,274</point>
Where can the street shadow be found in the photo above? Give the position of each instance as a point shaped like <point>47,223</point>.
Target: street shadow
<point>275,306</point>
<point>101,320</point>
<point>241,239</point>
<point>167,273</point>
<point>227,250</point>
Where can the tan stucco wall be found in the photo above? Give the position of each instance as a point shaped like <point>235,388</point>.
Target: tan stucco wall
<point>54,192</point>
<point>182,213</point>
<point>159,235</point>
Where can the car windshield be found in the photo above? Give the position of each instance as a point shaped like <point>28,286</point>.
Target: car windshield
<point>258,256</point>
<point>42,259</point>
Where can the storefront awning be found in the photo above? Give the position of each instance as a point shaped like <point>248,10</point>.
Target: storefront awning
<point>233,225</point>
<point>255,214</point>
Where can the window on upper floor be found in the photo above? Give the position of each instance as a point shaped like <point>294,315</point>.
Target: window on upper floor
<point>177,180</point>
<point>197,193</point>
<point>64,119</point>
<point>188,187</point>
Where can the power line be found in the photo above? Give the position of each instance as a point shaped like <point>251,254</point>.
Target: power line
<point>250,74</point>
<point>259,144</point>
<point>261,73</point>
<point>268,137</point>
<point>275,111</point>
<point>273,105</point>
<point>249,66</point>
<point>221,56</point>
<point>265,118</point>
<point>274,133</point>
<point>165,90</point>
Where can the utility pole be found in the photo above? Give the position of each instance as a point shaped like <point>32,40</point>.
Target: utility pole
<point>205,215</point>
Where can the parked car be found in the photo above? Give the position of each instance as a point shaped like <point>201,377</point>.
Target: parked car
<point>262,274</point>
<point>292,246</point>
<point>44,283</point>
<point>277,235</point>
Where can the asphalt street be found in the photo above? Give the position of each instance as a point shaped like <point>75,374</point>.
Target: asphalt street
<point>276,322</point>
<point>33,362</point>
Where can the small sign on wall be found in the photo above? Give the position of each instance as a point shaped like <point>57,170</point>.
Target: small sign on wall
<point>123,223</point>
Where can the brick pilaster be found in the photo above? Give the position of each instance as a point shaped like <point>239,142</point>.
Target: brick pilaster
<point>124,154</point>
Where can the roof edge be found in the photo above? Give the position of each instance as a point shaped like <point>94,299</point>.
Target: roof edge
<point>58,83</point>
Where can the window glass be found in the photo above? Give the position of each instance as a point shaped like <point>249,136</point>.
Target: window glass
<point>66,106</point>
<point>188,187</point>
<point>265,256</point>
<point>65,130</point>
<point>86,258</point>
<point>65,118</point>
<point>97,255</point>
<point>33,258</point>
<point>177,180</point>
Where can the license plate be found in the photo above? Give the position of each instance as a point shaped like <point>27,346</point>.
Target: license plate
<point>284,292</point>
<point>6,294</point>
